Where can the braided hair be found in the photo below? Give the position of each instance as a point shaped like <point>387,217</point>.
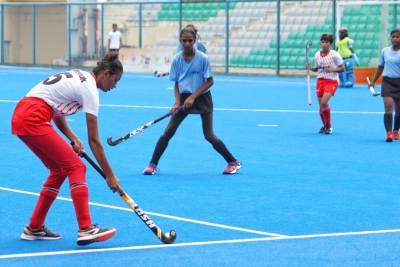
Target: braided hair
<point>191,26</point>
<point>109,62</point>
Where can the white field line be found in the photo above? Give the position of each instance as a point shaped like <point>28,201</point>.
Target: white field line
<point>233,109</point>
<point>247,240</point>
<point>156,214</point>
<point>268,125</point>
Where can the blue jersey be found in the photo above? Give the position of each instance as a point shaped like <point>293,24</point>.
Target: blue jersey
<point>198,45</point>
<point>390,60</point>
<point>192,74</point>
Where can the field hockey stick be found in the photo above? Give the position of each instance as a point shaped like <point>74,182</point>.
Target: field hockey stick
<point>309,43</point>
<point>167,238</point>
<point>138,130</point>
<point>160,74</point>
<point>371,89</point>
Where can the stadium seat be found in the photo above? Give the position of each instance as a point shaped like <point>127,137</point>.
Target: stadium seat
<point>249,61</point>
<point>264,51</point>
<point>360,27</point>
<point>311,28</point>
<point>270,52</point>
<point>269,62</point>
<point>291,62</point>
<point>235,61</point>
<point>364,62</point>
<point>254,51</point>
<point>206,6</point>
<point>285,51</point>
<point>328,20</point>
<point>299,44</point>
<point>357,36</point>
<point>258,61</point>
<point>166,6</point>
<point>241,61</point>
<point>301,62</point>
<point>187,14</point>
<point>369,36</point>
<point>347,20</point>
<point>272,44</point>
<point>212,13</point>
<point>162,15</point>
<point>362,19</point>
<point>172,15</point>
<point>295,52</point>
<point>283,62</point>
<point>308,35</point>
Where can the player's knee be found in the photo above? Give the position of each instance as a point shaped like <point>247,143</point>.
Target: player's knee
<point>56,178</point>
<point>58,173</point>
<point>210,136</point>
<point>324,105</point>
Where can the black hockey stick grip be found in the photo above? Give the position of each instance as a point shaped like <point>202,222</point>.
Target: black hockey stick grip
<point>138,130</point>
<point>167,238</point>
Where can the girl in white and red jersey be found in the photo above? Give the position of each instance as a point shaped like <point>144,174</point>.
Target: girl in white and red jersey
<point>327,63</point>
<point>54,98</point>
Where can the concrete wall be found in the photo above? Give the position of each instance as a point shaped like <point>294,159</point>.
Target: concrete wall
<point>51,33</point>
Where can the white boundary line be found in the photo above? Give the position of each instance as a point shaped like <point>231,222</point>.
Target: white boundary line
<point>233,109</point>
<point>156,214</point>
<point>247,240</point>
<point>268,125</point>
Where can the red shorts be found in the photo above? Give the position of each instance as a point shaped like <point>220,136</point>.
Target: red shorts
<point>32,117</point>
<point>326,86</point>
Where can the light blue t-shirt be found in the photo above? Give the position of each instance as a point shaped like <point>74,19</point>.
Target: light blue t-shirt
<point>192,74</point>
<point>197,45</point>
<point>390,60</point>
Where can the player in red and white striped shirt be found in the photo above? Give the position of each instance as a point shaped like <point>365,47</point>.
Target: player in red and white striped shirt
<point>327,63</point>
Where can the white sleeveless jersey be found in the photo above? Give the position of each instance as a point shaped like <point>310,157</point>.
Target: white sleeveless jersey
<point>69,92</point>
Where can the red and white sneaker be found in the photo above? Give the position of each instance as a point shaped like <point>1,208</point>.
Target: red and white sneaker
<point>389,137</point>
<point>232,167</point>
<point>94,234</point>
<point>150,169</point>
<point>396,135</point>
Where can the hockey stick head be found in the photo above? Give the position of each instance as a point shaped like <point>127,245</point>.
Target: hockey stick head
<point>111,142</point>
<point>168,238</point>
<point>160,74</point>
<point>376,93</point>
<point>308,45</point>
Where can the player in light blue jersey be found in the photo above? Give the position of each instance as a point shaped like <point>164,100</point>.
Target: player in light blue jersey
<point>198,45</point>
<point>389,65</point>
<point>193,77</point>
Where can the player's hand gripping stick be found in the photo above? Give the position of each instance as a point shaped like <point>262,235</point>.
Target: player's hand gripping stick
<point>371,89</point>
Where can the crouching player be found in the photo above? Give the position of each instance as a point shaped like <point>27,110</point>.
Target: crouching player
<point>346,51</point>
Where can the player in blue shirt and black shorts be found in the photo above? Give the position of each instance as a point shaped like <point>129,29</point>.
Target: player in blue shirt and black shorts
<point>193,77</point>
<point>389,65</point>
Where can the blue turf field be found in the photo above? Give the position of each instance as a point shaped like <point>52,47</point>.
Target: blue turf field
<point>300,199</point>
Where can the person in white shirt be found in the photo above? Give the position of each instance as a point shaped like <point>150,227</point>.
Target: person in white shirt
<point>114,39</point>
<point>328,63</point>
<point>58,96</point>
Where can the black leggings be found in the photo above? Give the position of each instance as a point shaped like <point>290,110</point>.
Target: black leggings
<point>208,131</point>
